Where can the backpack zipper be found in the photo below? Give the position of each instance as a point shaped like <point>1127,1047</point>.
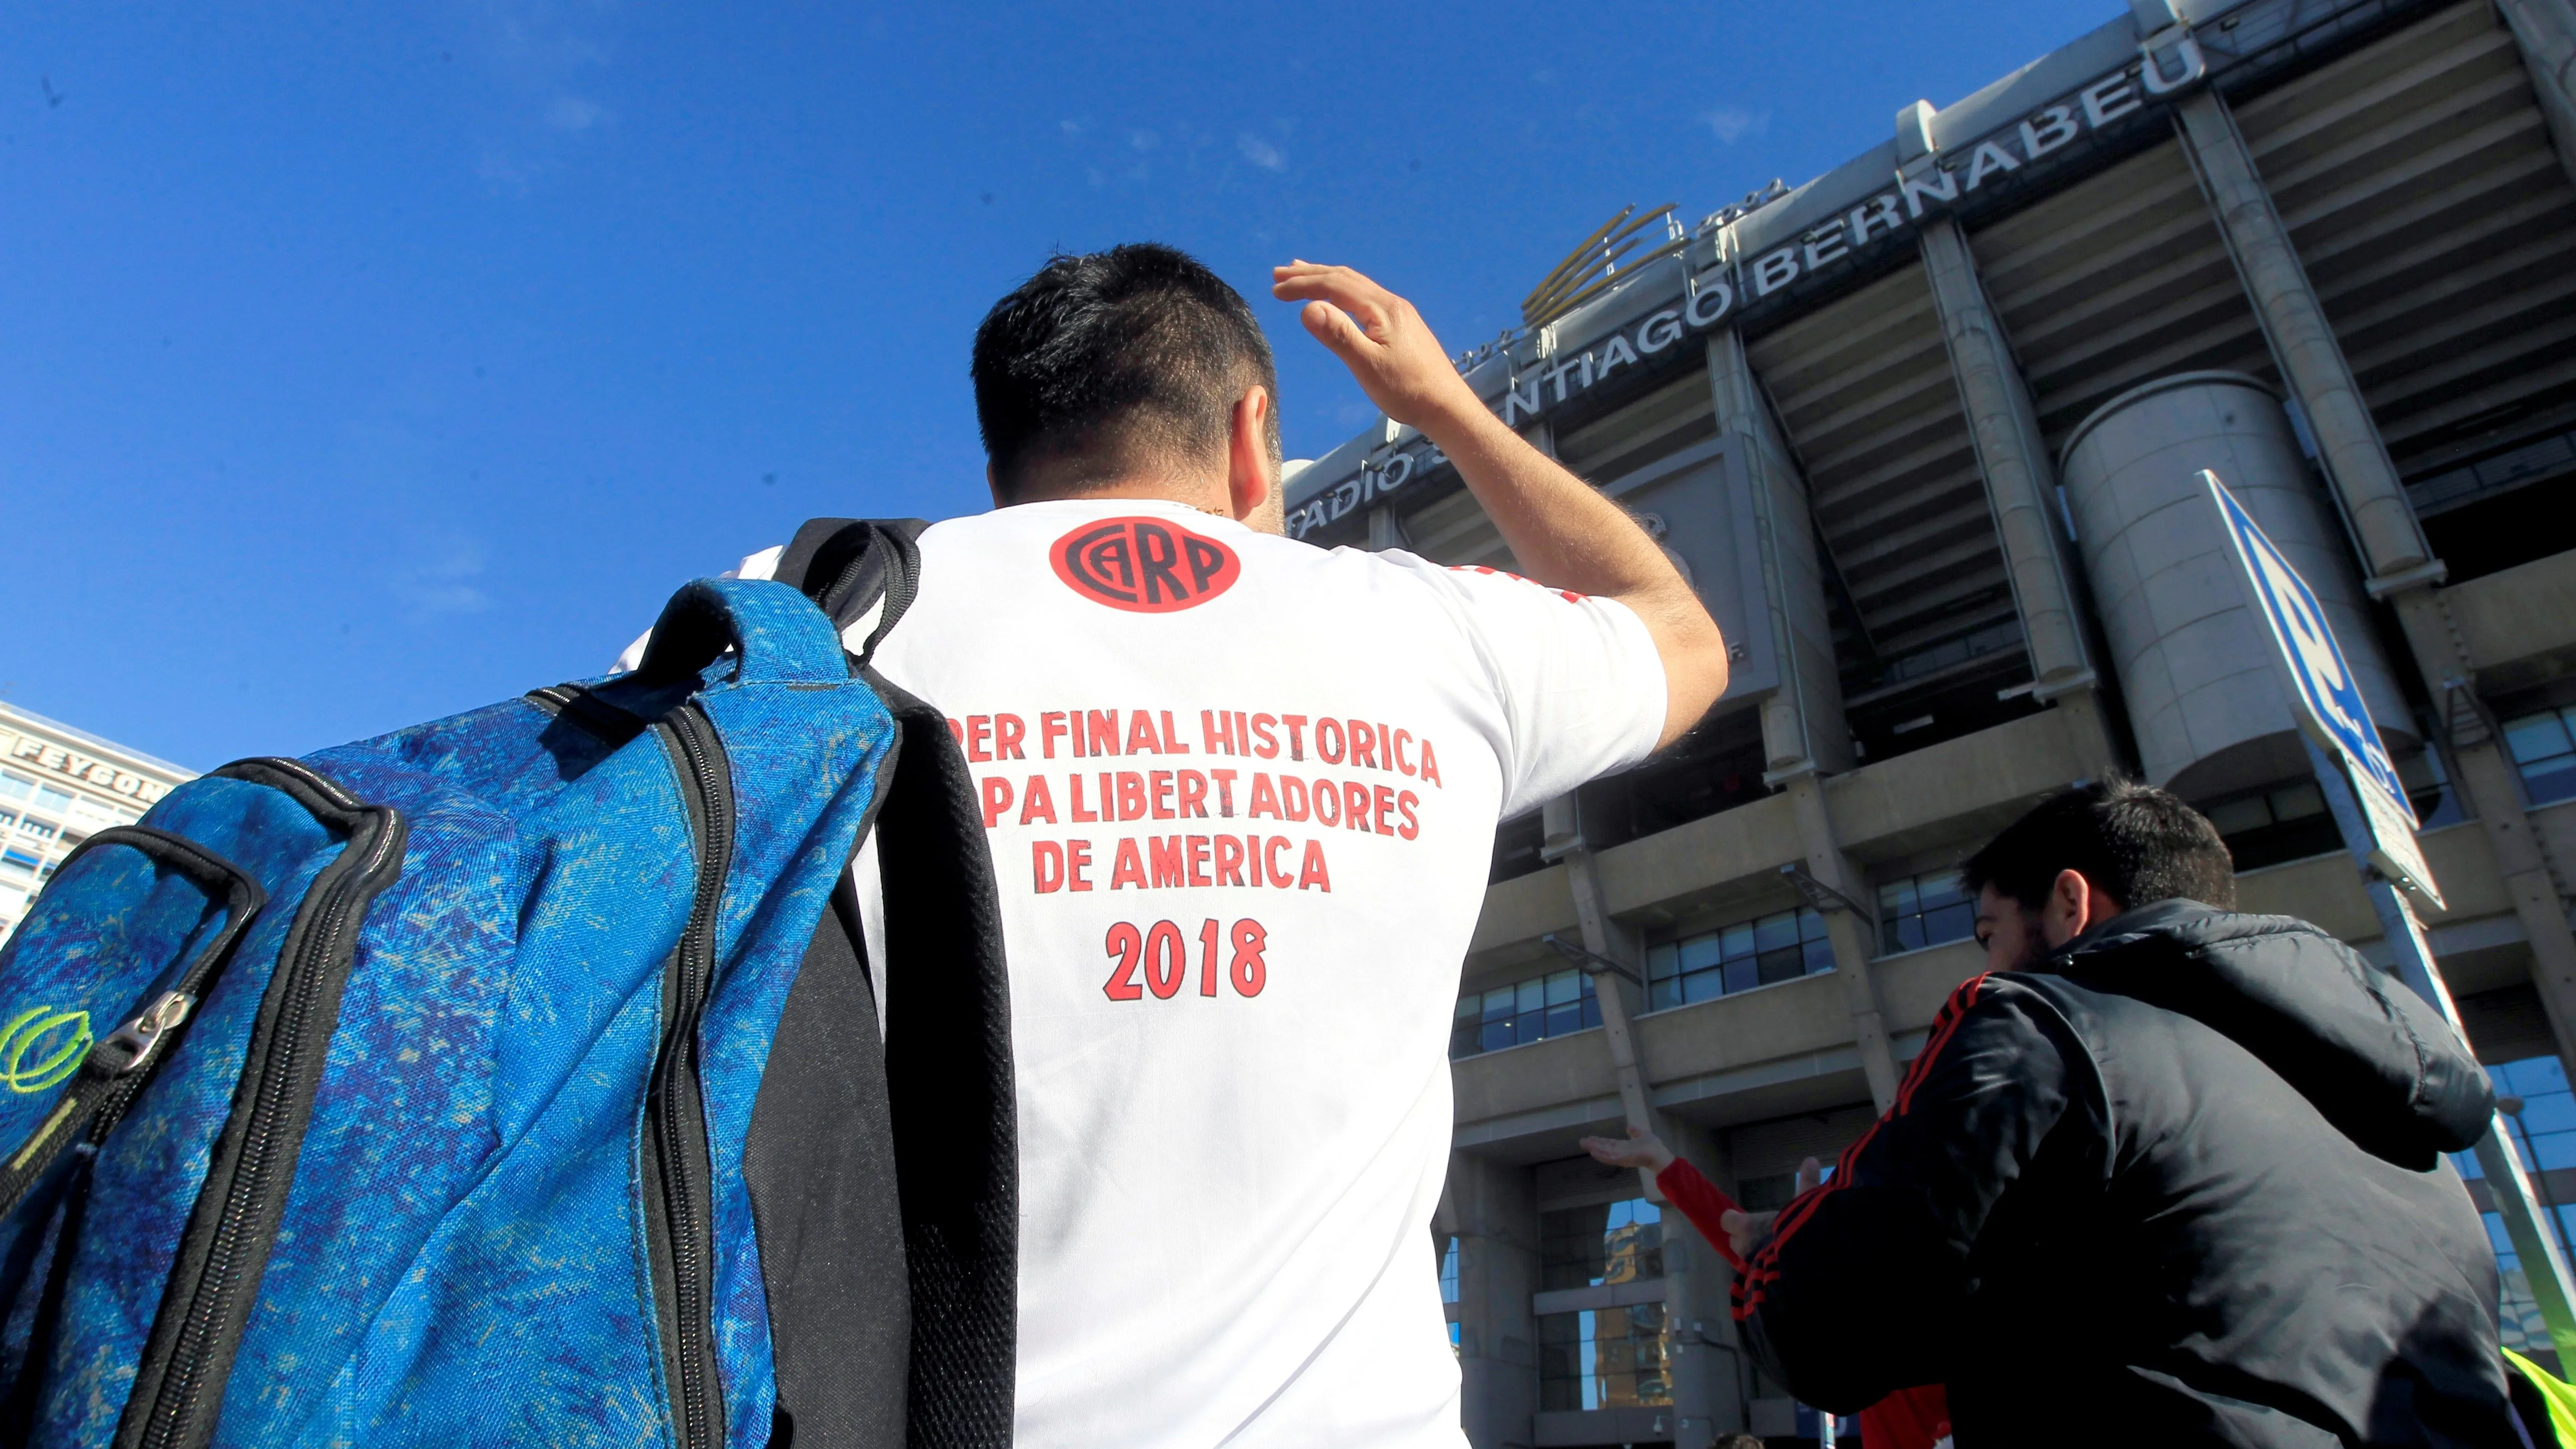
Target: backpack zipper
<point>679,1198</point>
<point>179,1382</point>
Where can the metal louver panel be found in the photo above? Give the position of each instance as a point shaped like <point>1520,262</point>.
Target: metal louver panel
<point>1863,386</point>
<point>2439,229</point>
<point>2117,280</point>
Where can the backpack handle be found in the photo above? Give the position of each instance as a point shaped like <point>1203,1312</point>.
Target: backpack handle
<point>776,635</point>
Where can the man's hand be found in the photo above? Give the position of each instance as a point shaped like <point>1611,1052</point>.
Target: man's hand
<point>1745,1231</point>
<point>1640,1148</point>
<point>1382,340</point>
<point>1560,532</point>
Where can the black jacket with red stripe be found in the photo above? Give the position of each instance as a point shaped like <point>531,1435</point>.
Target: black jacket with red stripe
<point>2182,1185</point>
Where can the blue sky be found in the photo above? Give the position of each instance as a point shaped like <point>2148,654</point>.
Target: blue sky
<point>363,364</point>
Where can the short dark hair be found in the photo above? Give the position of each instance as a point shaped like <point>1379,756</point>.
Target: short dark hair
<point>1116,356</point>
<point>2136,842</point>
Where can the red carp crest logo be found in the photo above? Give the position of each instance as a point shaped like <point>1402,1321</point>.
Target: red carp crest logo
<point>1144,565</point>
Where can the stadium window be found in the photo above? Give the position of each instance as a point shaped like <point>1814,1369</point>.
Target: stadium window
<point>1610,1358</point>
<point>1600,1243</point>
<point>1782,946</point>
<point>1924,910</point>
<point>15,787</point>
<point>2267,827</point>
<point>1449,1271</point>
<point>41,829</point>
<point>49,798</point>
<point>2544,1137</point>
<point>1525,1011</point>
<point>2545,751</point>
<point>21,862</point>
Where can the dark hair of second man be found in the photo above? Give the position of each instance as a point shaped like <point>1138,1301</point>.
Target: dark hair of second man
<point>1113,361</point>
<point>2136,843</point>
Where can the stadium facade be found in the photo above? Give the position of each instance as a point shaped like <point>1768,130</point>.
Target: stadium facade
<point>1923,431</point>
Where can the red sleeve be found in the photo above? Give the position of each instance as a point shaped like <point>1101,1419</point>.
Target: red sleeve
<point>1701,1202</point>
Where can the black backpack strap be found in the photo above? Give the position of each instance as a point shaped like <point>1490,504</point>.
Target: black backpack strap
<point>950,1096</point>
<point>849,565</point>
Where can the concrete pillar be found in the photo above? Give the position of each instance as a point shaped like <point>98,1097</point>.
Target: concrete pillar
<point>1803,731</point>
<point>1493,1211</point>
<point>1852,932</point>
<point>1802,722</point>
<point>2546,32</point>
<point>2020,485</point>
<point>1621,999</point>
<point>2399,564</point>
<point>1708,1395</point>
<point>2303,343</point>
<point>2491,788</point>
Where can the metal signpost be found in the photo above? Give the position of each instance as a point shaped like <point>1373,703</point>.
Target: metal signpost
<point>2370,807</point>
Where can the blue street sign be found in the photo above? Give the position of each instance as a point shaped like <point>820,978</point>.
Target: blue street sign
<point>2323,680</point>
<point>2326,697</point>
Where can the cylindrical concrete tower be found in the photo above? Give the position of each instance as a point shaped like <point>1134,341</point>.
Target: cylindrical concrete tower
<point>2204,699</point>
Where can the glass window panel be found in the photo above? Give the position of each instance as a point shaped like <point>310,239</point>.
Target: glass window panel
<point>1663,961</point>
<point>2235,817</point>
<point>1700,952</point>
<point>1775,930</point>
<point>1530,995</point>
<point>1495,1036</point>
<point>1591,1010</point>
<point>2536,737</point>
<point>2555,782</point>
<point>1470,1006</point>
<point>1811,924</point>
<point>2298,802</point>
<point>1785,964</point>
<point>2548,1112</point>
<point>1743,975</point>
<point>1528,1027</point>
<point>1704,985</point>
<point>1562,1019</point>
<point>1950,923</point>
<point>1664,994</point>
<point>1563,987</point>
<point>52,799</point>
<point>1941,890</point>
<point>2531,1076</point>
<point>1498,1004</point>
<point>1909,933</point>
<point>1819,954</point>
<point>15,787</point>
<point>2552,1150</point>
<point>1738,939</point>
<point>1896,898</point>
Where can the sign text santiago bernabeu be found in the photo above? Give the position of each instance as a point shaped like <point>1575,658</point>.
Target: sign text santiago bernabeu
<point>1924,188</point>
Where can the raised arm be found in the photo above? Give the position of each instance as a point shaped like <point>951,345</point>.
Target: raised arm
<point>1562,533</point>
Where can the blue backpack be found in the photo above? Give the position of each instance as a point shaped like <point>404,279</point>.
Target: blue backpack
<point>517,1078</point>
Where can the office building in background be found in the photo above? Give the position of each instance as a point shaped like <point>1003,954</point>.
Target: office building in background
<point>58,787</point>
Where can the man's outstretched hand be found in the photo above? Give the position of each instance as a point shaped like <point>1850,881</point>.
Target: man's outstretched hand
<point>1640,1148</point>
<point>1382,340</point>
<point>1745,1231</point>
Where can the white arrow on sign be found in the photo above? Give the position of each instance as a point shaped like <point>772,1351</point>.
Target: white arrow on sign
<point>2325,697</point>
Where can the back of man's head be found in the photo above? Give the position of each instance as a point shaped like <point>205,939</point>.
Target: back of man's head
<point>2135,843</point>
<point>1113,363</point>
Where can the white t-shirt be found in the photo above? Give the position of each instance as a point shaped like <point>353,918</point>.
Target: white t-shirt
<point>1242,795</point>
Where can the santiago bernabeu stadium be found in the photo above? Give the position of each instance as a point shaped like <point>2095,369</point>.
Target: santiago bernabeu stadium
<point>1923,430</point>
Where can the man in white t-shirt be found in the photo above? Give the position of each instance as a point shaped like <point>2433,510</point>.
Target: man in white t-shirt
<point>1241,794</point>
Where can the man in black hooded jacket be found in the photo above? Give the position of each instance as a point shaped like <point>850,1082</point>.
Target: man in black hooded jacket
<point>2170,1175</point>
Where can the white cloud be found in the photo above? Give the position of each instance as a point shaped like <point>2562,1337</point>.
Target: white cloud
<point>1733,124</point>
<point>572,113</point>
<point>1260,152</point>
<point>444,585</point>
